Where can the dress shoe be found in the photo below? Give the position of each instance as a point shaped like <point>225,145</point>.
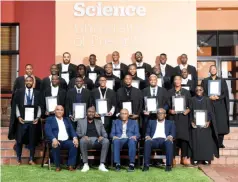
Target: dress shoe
<point>168,168</point>
<point>18,162</point>
<point>145,168</point>
<point>118,167</point>
<point>57,169</point>
<point>222,146</point>
<point>31,162</point>
<point>71,168</point>
<point>131,168</point>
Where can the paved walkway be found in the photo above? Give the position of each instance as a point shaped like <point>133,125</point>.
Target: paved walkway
<point>221,173</point>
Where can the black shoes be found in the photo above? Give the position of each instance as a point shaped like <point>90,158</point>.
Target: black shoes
<point>118,167</point>
<point>222,146</point>
<point>168,168</point>
<point>131,168</point>
<point>145,168</point>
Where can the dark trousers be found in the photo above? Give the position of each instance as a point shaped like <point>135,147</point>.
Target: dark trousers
<point>183,144</point>
<point>220,139</point>
<point>27,135</point>
<point>118,144</point>
<point>72,152</point>
<point>158,143</point>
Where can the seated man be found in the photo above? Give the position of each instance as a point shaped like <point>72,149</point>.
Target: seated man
<point>60,131</point>
<point>92,134</point>
<point>160,133</point>
<point>125,132</point>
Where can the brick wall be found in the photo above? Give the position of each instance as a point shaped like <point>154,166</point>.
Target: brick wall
<point>5,111</point>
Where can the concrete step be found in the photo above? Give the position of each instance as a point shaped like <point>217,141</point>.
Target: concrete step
<point>231,136</point>
<point>228,152</point>
<point>231,144</point>
<point>228,160</point>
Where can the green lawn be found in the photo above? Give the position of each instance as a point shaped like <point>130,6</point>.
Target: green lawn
<point>36,173</point>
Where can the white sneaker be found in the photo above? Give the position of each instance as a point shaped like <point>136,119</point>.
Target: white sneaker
<point>102,168</point>
<point>85,168</point>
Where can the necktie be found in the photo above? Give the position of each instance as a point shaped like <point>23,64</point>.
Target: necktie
<point>28,97</point>
<point>78,97</point>
<point>153,91</point>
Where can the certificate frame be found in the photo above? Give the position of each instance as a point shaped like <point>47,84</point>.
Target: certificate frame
<point>94,75</point>
<point>131,103</point>
<point>205,117</point>
<point>27,120</point>
<point>84,110</point>
<point>186,87</point>
<point>98,105</point>
<point>65,76</point>
<point>146,104</point>
<point>47,102</point>
<point>117,73</point>
<point>141,72</point>
<point>161,81</point>
<point>135,82</point>
<point>210,93</point>
<point>113,83</point>
<point>183,102</point>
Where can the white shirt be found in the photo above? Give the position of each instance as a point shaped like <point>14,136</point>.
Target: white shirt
<point>92,68</point>
<point>184,81</point>
<point>160,130</point>
<point>31,95</point>
<point>139,64</point>
<point>116,66</point>
<point>54,90</point>
<point>124,128</point>
<point>62,135</point>
<point>50,77</point>
<point>79,90</point>
<point>162,68</point>
<point>182,66</point>
<point>151,90</point>
<point>65,67</point>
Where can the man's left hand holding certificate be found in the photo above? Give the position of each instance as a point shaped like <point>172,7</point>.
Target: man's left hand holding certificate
<point>28,116</point>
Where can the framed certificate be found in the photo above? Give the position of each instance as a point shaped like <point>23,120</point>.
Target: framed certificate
<point>135,83</point>
<point>189,76</point>
<point>186,87</point>
<point>29,113</point>
<point>65,76</point>
<point>101,106</point>
<point>214,87</point>
<point>92,76</point>
<point>128,106</point>
<point>110,84</point>
<point>160,82</point>
<point>179,104</point>
<point>51,103</point>
<point>141,73</point>
<point>151,104</point>
<point>79,110</point>
<point>117,73</point>
<point>200,117</point>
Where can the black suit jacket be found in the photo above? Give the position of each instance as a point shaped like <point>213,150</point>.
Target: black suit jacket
<point>191,70</point>
<point>47,84</point>
<point>191,85</point>
<point>72,70</point>
<point>124,70</point>
<point>97,70</point>
<point>20,83</point>
<point>148,69</point>
<point>88,82</point>
<point>168,77</point>
<point>111,77</point>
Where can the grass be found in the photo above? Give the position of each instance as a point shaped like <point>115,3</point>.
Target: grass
<point>36,173</point>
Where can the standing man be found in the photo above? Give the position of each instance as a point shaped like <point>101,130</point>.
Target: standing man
<point>25,132</point>
<point>92,134</point>
<point>46,82</point>
<point>167,71</point>
<point>125,132</point>
<point>102,92</point>
<point>61,133</point>
<point>93,68</point>
<point>130,94</point>
<point>192,72</point>
<point>141,64</point>
<point>220,105</point>
<point>67,70</point>
<point>160,133</point>
<point>187,83</point>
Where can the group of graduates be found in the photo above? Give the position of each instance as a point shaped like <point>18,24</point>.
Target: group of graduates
<point>86,84</point>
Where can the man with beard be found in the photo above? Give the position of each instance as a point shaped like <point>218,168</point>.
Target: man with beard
<point>93,68</point>
<point>220,104</point>
<point>67,70</point>
<point>141,64</point>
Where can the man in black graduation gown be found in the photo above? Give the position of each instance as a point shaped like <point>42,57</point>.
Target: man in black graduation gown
<point>109,76</point>
<point>192,72</point>
<point>118,67</point>
<point>130,94</point>
<point>25,132</point>
<point>20,81</point>
<point>141,64</point>
<point>102,92</point>
<point>161,96</point>
<point>204,138</point>
<point>187,83</point>
<point>182,120</point>
<point>81,72</point>
<point>167,71</point>
<point>46,82</point>
<point>133,72</point>
<point>220,105</point>
<point>67,70</point>
<point>157,71</point>
<point>92,67</point>
<point>53,91</point>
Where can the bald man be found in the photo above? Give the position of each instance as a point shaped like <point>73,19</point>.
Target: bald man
<point>159,133</point>
<point>125,132</point>
<point>61,133</point>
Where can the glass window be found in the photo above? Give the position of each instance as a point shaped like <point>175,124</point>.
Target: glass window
<point>206,43</point>
<point>228,43</point>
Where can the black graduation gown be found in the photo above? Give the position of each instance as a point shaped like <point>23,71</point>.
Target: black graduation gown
<point>204,140</point>
<point>182,122</point>
<point>220,106</point>
<point>143,83</point>
<point>88,82</point>
<point>147,67</point>
<point>191,85</point>
<point>20,83</point>
<point>135,96</point>
<point>71,98</point>
<point>16,128</point>
<point>72,70</point>
<point>124,70</point>
<point>111,101</point>
<point>61,98</point>
<point>99,70</point>
<point>168,77</point>
<point>110,77</point>
<point>191,70</point>
<point>47,84</point>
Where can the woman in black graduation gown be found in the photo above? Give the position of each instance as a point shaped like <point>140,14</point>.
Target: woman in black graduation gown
<point>182,121</point>
<point>204,138</point>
